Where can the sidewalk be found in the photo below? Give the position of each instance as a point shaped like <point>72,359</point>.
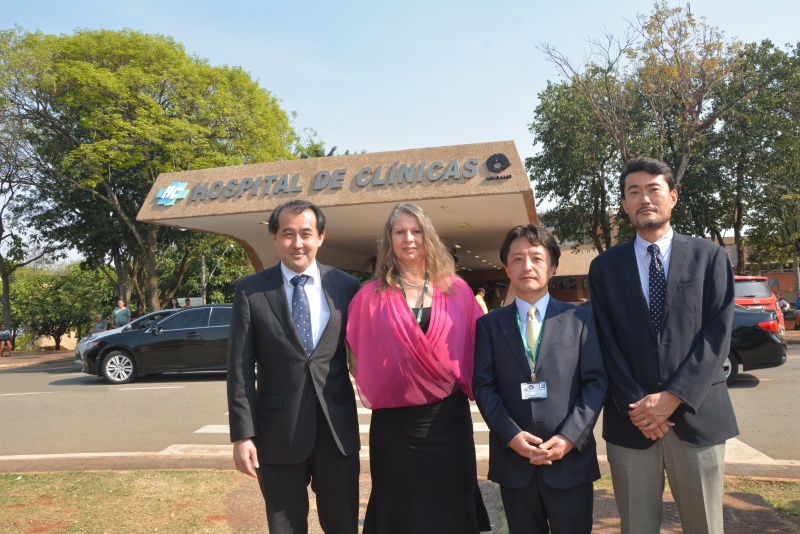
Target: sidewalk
<point>743,512</point>
<point>24,359</point>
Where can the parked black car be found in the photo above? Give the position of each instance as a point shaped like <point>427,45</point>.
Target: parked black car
<point>755,342</point>
<point>193,339</point>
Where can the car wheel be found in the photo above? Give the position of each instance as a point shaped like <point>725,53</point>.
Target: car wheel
<point>731,368</point>
<point>119,368</point>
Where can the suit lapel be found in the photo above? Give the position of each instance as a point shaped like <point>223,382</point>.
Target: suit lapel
<point>335,320</point>
<point>677,263</point>
<point>629,274</point>
<point>551,330</point>
<point>508,324</point>
<point>276,296</point>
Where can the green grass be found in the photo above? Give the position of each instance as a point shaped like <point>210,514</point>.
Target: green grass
<point>119,502</point>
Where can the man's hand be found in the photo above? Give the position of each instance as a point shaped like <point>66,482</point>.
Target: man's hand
<point>551,450</point>
<point>525,444</point>
<point>651,414</point>
<point>245,456</point>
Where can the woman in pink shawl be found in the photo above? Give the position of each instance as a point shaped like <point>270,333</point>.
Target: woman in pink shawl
<point>411,332</point>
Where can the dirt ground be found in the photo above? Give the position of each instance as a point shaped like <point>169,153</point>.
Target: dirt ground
<point>744,513</point>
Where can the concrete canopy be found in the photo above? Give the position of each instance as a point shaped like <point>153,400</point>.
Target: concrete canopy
<point>471,204</point>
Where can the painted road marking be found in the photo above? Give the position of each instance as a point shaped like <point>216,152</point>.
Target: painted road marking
<point>154,387</point>
<point>362,429</point>
<point>736,452</point>
<point>214,429</point>
<point>366,411</point>
<point>29,393</point>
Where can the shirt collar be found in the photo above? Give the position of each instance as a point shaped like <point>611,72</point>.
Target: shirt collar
<point>541,306</point>
<point>312,271</point>
<point>664,244</point>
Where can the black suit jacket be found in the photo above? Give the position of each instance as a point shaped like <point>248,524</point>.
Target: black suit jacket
<point>277,405</point>
<point>685,358</point>
<point>570,362</point>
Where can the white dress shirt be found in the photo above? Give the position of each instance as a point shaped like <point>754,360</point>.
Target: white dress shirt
<point>643,259</point>
<point>541,311</point>
<point>317,303</point>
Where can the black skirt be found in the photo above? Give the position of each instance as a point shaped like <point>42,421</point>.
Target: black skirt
<point>424,478</point>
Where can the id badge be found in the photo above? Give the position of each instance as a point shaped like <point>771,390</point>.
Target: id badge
<point>534,390</point>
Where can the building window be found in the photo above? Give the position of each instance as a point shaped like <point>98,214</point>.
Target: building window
<point>564,282</point>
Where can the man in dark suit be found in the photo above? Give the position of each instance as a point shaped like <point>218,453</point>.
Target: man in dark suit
<point>295,420</point>
<point>540,384</point>
<point>663,303</point>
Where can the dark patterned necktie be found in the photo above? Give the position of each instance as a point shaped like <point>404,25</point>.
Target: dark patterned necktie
<point>658,287</point>
<point>301,313</point>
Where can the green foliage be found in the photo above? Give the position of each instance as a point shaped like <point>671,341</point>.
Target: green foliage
<point>226,263</point>
<point>720,113</point>
<point>105,113</point>
<point>574,167</point>
<point>53,302</point>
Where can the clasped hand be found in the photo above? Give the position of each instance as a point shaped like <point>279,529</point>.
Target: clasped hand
<point>540,452</point>
<point>651,414</point>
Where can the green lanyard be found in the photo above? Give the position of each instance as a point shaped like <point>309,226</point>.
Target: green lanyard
<point>424,292</point>
<point>532,356</point>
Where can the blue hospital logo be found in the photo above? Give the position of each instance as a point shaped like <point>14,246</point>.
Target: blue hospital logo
<point>175,191</point>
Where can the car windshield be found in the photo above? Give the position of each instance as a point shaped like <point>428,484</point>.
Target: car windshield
<point>752,289</point>
<point>147,321</point>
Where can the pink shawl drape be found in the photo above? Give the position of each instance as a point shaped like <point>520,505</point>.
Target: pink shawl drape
<point>399,365</point>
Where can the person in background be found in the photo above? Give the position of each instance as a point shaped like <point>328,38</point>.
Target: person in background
<point>412,333</point>
<point>173,303</point>
<point>121,315</point>
<point>797,313</point>
<point>5,340</point>
<point>295,421</point>
<point>100,324</point>
<point>663,303</point>
<point>479,298</point>
<point>187,303</point>
<point>540,384</point>
<point>783,304</point>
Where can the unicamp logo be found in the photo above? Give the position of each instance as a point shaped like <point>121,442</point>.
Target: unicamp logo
<point>175,191</point>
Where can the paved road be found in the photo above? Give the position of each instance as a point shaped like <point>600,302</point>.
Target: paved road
<point>53,409</point>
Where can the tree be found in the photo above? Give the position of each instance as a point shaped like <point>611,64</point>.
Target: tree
<point>574,167</point>
<point>668,64</point>
<point>53,302</point>
<point>226,263</point>
<point>105,113</point>
<point>18,247</point>
<point>774,166</point>
<point>671,87</point>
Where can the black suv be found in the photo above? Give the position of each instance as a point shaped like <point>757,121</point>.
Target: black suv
<point>193,339</point>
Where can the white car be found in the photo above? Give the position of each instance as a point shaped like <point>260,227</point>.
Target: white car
<point>145,321</point>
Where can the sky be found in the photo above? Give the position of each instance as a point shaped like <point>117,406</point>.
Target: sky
<point>393,75</point>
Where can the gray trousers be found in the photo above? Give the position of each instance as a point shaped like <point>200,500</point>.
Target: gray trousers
<point>695,478</point>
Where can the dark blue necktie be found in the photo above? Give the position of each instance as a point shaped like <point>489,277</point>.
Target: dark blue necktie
<point>658,287</point>
<point>301,313</point>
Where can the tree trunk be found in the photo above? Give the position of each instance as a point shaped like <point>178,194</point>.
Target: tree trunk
<point>150,278</point>
<point>6,296</point>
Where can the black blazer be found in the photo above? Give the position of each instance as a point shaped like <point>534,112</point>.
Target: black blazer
<point>570,362</point>
<point>277,405</point>
<point>685,359</point>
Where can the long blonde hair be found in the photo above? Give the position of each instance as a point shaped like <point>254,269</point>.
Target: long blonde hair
<point>438,260</point>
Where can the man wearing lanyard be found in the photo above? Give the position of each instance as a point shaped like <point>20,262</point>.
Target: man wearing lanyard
<point>540,383</point>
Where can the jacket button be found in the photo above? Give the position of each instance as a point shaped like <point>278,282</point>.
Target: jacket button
<point>658,386</point>
<point>311,394</point>
<point>655,350</point>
